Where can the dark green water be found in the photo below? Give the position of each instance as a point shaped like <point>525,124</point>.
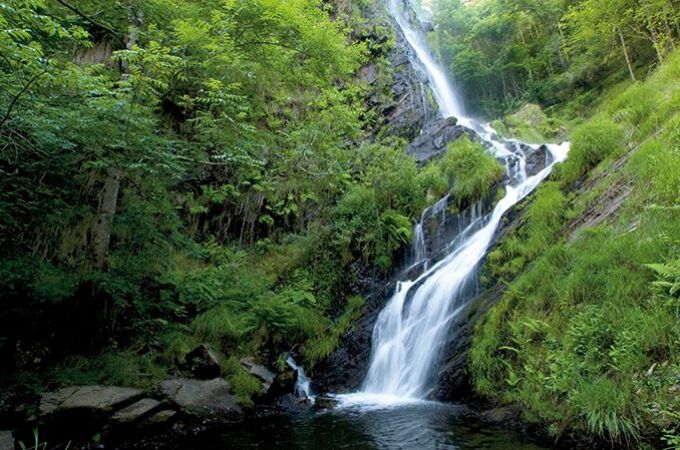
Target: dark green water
<point>422,426</point>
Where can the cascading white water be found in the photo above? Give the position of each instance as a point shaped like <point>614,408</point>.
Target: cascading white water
<point>447,99</point>
<point>303,389</point>
<point>412,328</point>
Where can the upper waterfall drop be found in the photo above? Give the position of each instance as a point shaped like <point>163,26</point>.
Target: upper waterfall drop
<point>411,330</point>
<point>449,103</point>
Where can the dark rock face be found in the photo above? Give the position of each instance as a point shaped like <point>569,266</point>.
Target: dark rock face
<point>433,140</point>
<point>407,115</point>
<point>203,363</point>
<point>346,368</point>
<point>454,383</point>
<point>537,159</point>
<point>400,96</point>
<point>210,400</point>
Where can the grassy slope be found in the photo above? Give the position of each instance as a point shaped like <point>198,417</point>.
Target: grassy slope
<point>587,335</point>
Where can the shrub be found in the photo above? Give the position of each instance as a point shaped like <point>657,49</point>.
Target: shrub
<point>592,142</point>
<point>471,171</point>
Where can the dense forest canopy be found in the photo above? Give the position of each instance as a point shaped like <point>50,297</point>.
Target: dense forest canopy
<point>505,52</point>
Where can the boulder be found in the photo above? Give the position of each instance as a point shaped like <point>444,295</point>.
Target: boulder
<point>432,142</point>
<point>204,363</point>
<point>93,400</point>
<point>6,440</point>
<point>135,412</point>
<point>208,399</point>
<point>260,372</point>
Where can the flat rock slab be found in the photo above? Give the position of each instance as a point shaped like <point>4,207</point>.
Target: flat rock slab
<point>260,372</point>
<point>160,418</point>
<point>136,411</point>
<point>6,440</point>
<point>98,399</point>
<point>209,399</point>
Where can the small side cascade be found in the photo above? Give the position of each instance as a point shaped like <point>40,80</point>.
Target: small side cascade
<point>419,251</point>
<point>303,390</point>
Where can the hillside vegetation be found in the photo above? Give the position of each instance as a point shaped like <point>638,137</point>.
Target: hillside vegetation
<point>587,335</point>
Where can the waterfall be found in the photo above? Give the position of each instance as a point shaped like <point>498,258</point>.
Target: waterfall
<point>411,330</point>
<point>303,389</point>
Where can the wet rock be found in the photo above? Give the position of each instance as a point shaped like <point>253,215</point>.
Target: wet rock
<point>325,403</point>
<point>208,399</point>
<point>93,400</point>
<point>454,382</point>
<point>260,372</point>
<point>412,107</point>
<point>537,159</point>
<point>284,384</point>
<point>204,363</point>
<point>292,404</point>
<point>135,412</point>
<point>432,142</point>
<point>6,440</point>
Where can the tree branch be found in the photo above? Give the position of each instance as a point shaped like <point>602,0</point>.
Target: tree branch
<point>18,96</point>
<point>90,20</point>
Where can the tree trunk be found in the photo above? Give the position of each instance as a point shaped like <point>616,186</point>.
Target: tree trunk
<point>109,194</point>
<point>625,53</point>
<point>107,211</point>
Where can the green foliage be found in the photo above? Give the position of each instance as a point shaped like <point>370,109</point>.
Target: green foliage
<point>545,216</point>
<point>244,385</point>
<point>505,53</point>
<point>236,130</point>
<point>586,336</point>
<point>316,350</point>
<point>592,142</point>
<point>111,368</point>
<point>467,170</point>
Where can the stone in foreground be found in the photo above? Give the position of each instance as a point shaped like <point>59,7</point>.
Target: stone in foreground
<point>100,400</point>
<point>207,399</point>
